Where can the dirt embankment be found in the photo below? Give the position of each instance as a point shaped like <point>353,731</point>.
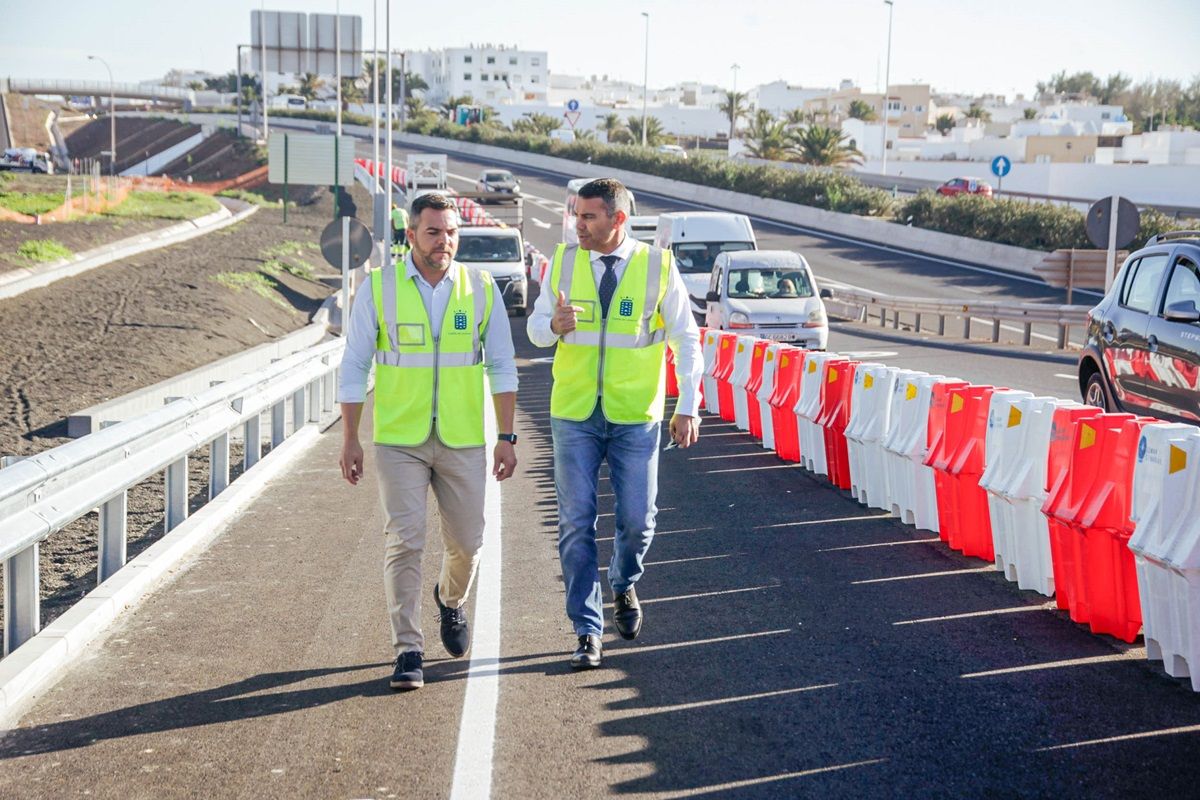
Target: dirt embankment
<point>135,322</point>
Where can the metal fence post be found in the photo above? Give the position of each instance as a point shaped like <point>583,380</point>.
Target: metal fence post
<point>1028,333</point>
<point>298,408</point>
<point>112,536</point>
<point>917,326</point>
<point>218,465</point>
<point>327,392</point>
<point>22,604</point>
<point>278,413</point>
<point>995,330</point>
<point>967,326</point>
<point>314,400</point>
<point>1062,336</point>
<point>251,442</point>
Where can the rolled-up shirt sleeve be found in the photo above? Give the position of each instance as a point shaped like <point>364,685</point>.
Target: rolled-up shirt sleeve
<point>683,336</point>
<point>499,357</point>
<point>359,355</point>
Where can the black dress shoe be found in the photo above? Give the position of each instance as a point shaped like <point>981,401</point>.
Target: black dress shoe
<point>587,655</point>
<point>627,614</point>
<point>408,673</point>
<point>456,635</point>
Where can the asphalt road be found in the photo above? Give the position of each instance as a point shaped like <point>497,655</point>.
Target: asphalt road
<point>795,644</point>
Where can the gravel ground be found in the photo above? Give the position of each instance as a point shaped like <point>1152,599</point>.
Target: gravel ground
<point>135,322</point>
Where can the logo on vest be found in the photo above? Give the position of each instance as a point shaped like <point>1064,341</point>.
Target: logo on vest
<point>460,320</point>
<point>626,308</point>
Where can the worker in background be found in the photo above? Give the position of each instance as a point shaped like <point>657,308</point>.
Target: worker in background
<point>399,231</point>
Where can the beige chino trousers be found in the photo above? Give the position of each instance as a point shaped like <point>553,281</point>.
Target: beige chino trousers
<point>458,479</point>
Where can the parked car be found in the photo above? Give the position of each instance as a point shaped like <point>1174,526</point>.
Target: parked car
<point>498,181</point>
<point>1142,351</point>
<point>956,186</point>
<point>673,150</point>
<point>771,294</point>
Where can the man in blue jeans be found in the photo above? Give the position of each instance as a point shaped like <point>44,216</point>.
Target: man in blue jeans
<point>610,305</point>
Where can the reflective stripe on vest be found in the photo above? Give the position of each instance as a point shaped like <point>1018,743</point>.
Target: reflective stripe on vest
<point>621,358</point>
<point>412,367</point>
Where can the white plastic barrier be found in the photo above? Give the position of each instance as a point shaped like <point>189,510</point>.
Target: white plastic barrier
<point>738,379</point>
<point>895,463</point>
<point>1001,445</point>
<point>770,361</point>
<point>1166,545</point>
<point>709,349</point>
<point>1027,552</point>
<point>914,498</point>
<point>808,409</point>
<point>870,413</point>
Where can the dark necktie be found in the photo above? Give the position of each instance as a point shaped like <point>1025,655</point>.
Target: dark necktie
<point>608,283</point>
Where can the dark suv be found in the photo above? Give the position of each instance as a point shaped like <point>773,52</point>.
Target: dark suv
<point>1142,353</point>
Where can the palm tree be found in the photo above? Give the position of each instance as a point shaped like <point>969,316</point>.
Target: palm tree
<point>979,112</point>
<point>585,135</point>
<point>537,124</point>
<point>417,109</point>
<point>944,123</point>
<point>822,145</point>
<point>798,117</point>
<point>311,85</point>
<point>655,135</point>
<point>1031,113</point>
<point>769,138</point>
<point>351,93</point>
<point>861,109</point>
<point>451,104</point>
<point>412,83</point>
<point>196,86</point>
<point>615,129</point>
<point>734,108</point>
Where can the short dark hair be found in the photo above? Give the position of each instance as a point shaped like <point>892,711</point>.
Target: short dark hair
<point>431,200</point>
<point>611,191</point>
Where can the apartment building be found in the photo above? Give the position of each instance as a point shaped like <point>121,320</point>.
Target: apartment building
<point>488,73</point>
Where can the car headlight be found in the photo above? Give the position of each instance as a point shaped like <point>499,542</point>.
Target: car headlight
<point>739,320</point>
<point>816,319</point>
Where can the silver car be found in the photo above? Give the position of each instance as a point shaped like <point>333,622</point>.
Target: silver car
<point>498,181</point>
<point>771,294</point>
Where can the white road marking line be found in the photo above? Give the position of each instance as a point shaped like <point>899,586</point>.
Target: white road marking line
<point>923,575</point>
<point>1123,738</point>
<point>539,223</point>
<point>721,701</point>
<point>477,733</point>
<point>972,614</point>
<point>1133,654</point>
<point>1066,376</point>
<point>786,776</point>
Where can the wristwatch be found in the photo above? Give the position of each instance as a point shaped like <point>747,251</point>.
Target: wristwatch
<point>511,438</point>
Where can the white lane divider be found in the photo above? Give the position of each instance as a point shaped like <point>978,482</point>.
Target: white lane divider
<point>477,733</point>
<point>539,223</point>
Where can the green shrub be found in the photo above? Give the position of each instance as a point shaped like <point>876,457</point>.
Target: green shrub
<point>247,197</point>
<point>43,250</point>
<point>165,205</point>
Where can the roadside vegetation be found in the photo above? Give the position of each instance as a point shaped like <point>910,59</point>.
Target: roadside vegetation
<point>32,203</point>
<point>256,282</point>
<point>248,197</point>
<point>165,205</point>
<point>290,257</point>
<point>42,250</point>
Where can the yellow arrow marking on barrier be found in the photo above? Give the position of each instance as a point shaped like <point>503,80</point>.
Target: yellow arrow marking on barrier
<point>868,381</point>
<point>741,347</point>
<point>1178,460</point>
<point>812,366</point>
<point>956,403</point>
<point>783,362</point>
<point>770,356</point>
<point>911,392</point>
<point>711,338</point>
<point>1014,417</point>
<point>724,343</point>
<point>1087,436</point>
<point>833,376</point>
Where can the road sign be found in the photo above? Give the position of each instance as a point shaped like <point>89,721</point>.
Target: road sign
<point>1099,220</point>
<point>572,105</point>
<point>359,238</point>
<point>1001,166</point>
<point>309,159</point>
<point>572,118</point>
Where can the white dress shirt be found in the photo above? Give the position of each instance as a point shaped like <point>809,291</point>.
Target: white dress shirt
<point>498,356</point>
<point>682,333</point>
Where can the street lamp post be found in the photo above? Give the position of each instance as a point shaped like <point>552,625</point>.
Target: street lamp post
<point>733,103</point>
<point>645,75</point>
<point>112,118</point>
<point>887,80</point>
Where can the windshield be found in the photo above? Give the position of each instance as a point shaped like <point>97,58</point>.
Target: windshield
<point>488,248</point>
<point>760,284</point>
<point>699,256</point>
<point>498,176</point>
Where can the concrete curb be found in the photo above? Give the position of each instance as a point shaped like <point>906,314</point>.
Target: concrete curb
<point>22,280</point>
<point>140,401</point>
<point>31,668</point>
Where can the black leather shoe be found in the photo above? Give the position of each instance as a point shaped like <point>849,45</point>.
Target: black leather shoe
<point>408,673</point>
<point>627,614</point>
<point>456,635</point>
<point>587,655</point>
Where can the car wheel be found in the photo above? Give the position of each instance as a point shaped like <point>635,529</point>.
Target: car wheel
<point>1094,394</point>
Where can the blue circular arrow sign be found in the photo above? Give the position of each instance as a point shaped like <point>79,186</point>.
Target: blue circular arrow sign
<point>1001,166</point>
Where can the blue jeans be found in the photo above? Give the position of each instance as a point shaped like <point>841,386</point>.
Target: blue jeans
<point>632,453</point>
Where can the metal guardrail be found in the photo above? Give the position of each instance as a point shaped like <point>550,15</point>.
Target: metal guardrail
<point>100,88</point>
<point>862,306</point>
<point>41,495</point>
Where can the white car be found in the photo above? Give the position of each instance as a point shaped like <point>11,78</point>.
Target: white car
<point>498,181</point>
<point>697,238</point>
<point>673,150</point>
<point>771,294</point>
<point>500,251</point>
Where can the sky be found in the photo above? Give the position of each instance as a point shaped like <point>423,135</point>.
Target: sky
<point>968,46</point>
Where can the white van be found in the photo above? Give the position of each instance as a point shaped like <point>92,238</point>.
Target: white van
<point>697,238</point>
<point>288,102</point>
<point>500,251</point>
<point>640,228</point>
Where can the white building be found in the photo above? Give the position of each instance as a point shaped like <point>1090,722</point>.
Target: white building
<point>780,97</point>
<point>490,74</point>
<point>1160,147</point>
